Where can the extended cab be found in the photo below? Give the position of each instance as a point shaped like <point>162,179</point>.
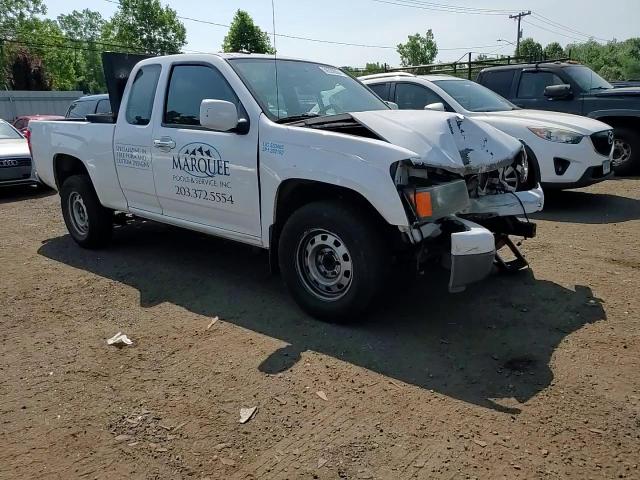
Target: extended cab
<point>296,157</point>
<point>573,88</point>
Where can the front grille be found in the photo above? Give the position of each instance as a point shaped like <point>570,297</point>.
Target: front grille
<point>603,142</point>
<point>15,162</point>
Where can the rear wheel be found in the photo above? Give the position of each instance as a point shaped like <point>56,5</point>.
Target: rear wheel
<point>332,259</point>
<point>626,151</point>
<point>89,223</point>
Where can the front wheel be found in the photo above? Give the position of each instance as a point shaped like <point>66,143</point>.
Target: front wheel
<point>626,151</point>
<point>333,260</point>
<point>89,223</point>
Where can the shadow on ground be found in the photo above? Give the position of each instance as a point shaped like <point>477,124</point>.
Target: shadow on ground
<point>587,207</point>
<point>490,343</point>
<point>23,192</point>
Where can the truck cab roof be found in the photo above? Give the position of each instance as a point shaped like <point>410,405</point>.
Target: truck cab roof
<point>521,66</point>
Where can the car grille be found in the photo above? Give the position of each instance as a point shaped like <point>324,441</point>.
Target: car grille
<point>603,142</point>
<point>14,162</point>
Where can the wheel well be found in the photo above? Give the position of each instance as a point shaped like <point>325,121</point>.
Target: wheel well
<point>295,193</point>
<point>629,122</point>
<point>65,166</point>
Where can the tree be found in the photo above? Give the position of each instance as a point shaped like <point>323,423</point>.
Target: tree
<point>84,30</point>
<point>419,50</point>
<point>145,25</point>
<point>530,48</point>
<point>245,36</point>
<point>553,50</point>
<point>26,71</point>
<point>13,12</point>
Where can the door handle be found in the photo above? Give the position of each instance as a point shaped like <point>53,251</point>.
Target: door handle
<point>164,143</point>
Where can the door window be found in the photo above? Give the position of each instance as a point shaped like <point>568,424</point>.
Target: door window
<point>104,106</point>
<point>381,89</point>
<point>415,97</point>
<point>499,81</point>
<point>189,85</point>
<point>143,92</point>
<point>532,84</point>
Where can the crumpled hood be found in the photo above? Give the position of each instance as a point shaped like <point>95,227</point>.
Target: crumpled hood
<point>543,118</point>
<point>449,141</point>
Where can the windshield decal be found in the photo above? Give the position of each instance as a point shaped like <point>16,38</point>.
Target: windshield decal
<point>332,71</point>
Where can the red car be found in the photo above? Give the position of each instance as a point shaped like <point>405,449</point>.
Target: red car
<point>22,123</point>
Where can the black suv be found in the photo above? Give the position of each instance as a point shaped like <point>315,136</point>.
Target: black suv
<point>574,88</point>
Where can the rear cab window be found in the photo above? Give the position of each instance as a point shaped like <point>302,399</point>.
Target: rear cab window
<point>533,83</point>
<point>499,81</point>
<point>142,95</point>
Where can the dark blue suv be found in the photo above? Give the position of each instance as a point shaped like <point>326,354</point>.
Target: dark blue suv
<point>574,88</point>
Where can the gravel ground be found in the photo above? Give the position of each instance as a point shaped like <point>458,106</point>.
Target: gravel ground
<point>528,376</point>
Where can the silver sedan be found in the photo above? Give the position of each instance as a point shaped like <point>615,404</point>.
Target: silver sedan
<point>15,158</point>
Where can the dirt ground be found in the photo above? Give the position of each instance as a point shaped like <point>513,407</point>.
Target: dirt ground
<point>529,376</point>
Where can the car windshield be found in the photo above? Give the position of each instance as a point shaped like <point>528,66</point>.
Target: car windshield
<point>303,89</point>
<point>475,97</point>
<point>587,78</point>
<point>7,132</point>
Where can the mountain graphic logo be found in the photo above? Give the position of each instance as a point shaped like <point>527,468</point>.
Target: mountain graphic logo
<point>200,160</point>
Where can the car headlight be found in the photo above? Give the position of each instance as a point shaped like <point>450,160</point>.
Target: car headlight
<point>557,135</point>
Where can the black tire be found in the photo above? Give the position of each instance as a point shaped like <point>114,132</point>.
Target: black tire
<point>366,260</point>
<point>96,231</point>
<point>630,140</point>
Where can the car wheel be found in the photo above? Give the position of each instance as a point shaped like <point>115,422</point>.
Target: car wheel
<point>333,260</point>
<point>89,223</point>
<point>626,151</point>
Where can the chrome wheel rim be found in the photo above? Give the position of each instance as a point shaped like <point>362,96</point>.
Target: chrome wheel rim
<point>78,213</point>
<point>324,265</point>
<point>511,177</point>
<point>621,152</point>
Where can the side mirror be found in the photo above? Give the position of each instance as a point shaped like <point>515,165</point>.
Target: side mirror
<point>218,115</point>
<point>438,107</point>
<point>558,92</point>
<point>392,105</point>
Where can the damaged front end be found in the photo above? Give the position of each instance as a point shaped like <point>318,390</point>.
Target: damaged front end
<point>464,215</point>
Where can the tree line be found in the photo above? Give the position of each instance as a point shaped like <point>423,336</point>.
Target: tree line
<point>39,53</point>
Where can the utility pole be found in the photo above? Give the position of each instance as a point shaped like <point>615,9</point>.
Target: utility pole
<point>519,17</point>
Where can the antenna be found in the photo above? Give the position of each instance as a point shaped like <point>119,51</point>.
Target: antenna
<point>275,57</point>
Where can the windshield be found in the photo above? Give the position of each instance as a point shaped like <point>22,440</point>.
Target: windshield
<point>475,97</point>
<point>587,79</point>
<point>7,132</point>
<point>303,88</point>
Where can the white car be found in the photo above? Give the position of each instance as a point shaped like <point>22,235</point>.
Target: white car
<point>570,151</point>
<point>15,158</point>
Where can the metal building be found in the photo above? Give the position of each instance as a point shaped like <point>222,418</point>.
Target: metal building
<point>14,103</point>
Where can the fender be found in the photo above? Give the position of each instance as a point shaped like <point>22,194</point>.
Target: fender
<point>356,163</point>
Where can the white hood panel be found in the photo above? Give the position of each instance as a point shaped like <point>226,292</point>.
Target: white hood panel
<point>443,140</point>
<point>543,118</point>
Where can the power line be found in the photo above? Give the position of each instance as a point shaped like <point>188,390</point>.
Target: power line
<point>444,8</point>
<point>519,16</point>
<point>529,22</point>
<point>548,21</point>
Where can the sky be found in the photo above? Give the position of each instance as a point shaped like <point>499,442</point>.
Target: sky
<point>385,23</point>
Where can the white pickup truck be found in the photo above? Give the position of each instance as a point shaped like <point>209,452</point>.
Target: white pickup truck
<point>295,157</point>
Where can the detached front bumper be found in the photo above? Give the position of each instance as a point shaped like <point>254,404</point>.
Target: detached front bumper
<point>507,204</point>
<point>472,255</point>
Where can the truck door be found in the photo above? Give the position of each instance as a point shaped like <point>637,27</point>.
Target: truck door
<point>132,142</point>
<point>530,92</point>
<point>204,176</point>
